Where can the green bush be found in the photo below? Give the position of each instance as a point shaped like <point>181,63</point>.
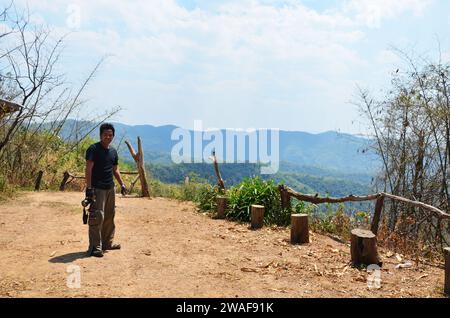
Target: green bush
<point>256,191</point>
<point>206,197</point>
<point>159,189</point>
<point>332,220</point>
<point>203,194</point>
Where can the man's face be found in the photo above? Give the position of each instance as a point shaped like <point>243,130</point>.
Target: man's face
<point>106,137</point>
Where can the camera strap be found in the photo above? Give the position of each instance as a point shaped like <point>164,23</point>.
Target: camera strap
<point>85,216</point>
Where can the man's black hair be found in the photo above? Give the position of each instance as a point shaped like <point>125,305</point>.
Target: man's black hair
<point>107,126</point>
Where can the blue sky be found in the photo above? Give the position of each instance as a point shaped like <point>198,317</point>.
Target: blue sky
<point>292,65</point>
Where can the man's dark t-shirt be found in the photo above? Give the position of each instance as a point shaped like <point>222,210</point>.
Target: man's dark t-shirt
<point>104,160</point>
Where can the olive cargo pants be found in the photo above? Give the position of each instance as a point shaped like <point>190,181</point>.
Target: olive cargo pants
<point>101,220</point>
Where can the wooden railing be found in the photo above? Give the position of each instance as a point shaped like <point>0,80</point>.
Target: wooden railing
<point>287,193</point>
<point>69,177</point>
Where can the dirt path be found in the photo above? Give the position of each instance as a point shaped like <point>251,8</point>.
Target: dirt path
<point>170,250</point>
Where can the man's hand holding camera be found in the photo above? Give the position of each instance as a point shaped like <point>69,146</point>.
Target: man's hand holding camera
<point>123,189</point>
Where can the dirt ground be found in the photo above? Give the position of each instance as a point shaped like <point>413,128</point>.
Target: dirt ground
<point>171,250</point>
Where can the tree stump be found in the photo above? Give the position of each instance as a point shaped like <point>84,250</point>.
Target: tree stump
<point>364,248</point>
<point>257,216</point>
<point>299,229</point>
<point>447,271</point>
<point>222,203</point>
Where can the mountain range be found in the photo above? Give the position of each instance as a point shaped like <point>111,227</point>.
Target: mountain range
<point>306,159</point>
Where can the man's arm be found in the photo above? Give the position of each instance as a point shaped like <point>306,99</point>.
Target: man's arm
<point>117,175</point>
<point>88,173</point>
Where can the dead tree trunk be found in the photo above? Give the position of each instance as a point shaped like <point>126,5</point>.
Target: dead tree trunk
<point>139,159</point>
<point>447,271</point>
<point>364,248</point>
<point>37,185</point>
<point>299,229</point>
<point>257,216</point>
<point>222,203</point>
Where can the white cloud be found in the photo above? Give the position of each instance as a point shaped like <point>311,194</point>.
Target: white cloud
<point>373,12</point>
<point>240,54</point>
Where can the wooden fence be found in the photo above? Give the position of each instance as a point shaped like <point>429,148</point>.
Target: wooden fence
<point>286,194</point>
<point>363,243</point>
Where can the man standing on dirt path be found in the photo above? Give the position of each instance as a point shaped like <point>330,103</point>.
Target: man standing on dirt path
<point>101,165</point>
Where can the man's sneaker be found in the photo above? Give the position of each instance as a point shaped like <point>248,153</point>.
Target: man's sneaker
<point>97,253</point>
<point>113,247</point>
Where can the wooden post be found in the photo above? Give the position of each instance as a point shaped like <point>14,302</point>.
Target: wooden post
<point>257,216</point>
<point>377,214</point>
<point>141,169</point>
<point>299,229</point>
<point>447,271</point>
<point>285,198</point>
<point>139,159</point>
<point>37,185</point>
<point>64,180</point>
<point>220,182</point>
<point>222,203</point>
<point>364,248</point>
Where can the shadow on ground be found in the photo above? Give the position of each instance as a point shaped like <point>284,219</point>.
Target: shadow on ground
<point>68,258</point>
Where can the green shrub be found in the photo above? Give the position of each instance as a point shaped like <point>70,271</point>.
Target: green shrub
<point>256,191</point>
<point>201,193</point>
<point>159,189</point>
<point>206,197</point>
<point>303,207</point>
<point>333,221</point>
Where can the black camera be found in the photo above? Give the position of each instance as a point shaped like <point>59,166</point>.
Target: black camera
<point>85,203</point>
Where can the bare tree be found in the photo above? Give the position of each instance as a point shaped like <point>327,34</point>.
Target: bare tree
<point>411,132</point>
<point>29,75</point>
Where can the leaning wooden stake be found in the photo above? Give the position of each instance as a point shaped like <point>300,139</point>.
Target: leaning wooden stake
<point>220,181</point>
<point>257,216</point>
<point>364,248</point>
<point>64,181</point>
<point>299,229</point>
<point>447,271</point>
<point>132,184</point>
<point>139,159</point>
<point>37,185</point>
<point>222,203</point>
